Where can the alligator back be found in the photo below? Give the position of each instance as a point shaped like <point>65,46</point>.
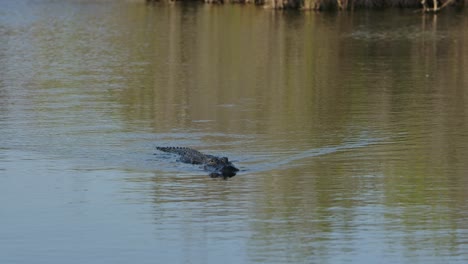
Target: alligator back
<point>218,166</point>
<point>187,155</point>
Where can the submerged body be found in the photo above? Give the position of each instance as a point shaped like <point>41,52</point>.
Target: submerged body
<point>219,167</point>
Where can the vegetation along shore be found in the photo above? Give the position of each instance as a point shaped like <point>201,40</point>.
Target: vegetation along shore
<point>431,6</point>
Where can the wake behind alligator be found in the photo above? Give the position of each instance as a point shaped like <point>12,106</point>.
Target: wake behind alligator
<point>217,166</point>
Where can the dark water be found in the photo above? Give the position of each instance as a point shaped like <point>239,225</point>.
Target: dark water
<point>350,130</point>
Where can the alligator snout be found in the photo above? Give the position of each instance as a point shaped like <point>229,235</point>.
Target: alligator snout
<point>229,171</point>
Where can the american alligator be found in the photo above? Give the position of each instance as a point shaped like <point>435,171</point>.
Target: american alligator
<point>219,167</point>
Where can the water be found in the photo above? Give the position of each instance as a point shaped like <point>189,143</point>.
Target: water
<point>349,129</point>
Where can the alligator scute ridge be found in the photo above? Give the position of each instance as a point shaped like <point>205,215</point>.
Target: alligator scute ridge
<point>219,167</point>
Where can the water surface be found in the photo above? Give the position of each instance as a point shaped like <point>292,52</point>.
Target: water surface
<point>350,130</point>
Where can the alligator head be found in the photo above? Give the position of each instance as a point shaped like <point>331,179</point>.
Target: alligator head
<point>220,167</point>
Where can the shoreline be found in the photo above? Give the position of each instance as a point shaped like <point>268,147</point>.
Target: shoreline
<point>427,6</point>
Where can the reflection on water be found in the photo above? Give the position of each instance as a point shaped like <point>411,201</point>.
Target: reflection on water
<point>349,130</point>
